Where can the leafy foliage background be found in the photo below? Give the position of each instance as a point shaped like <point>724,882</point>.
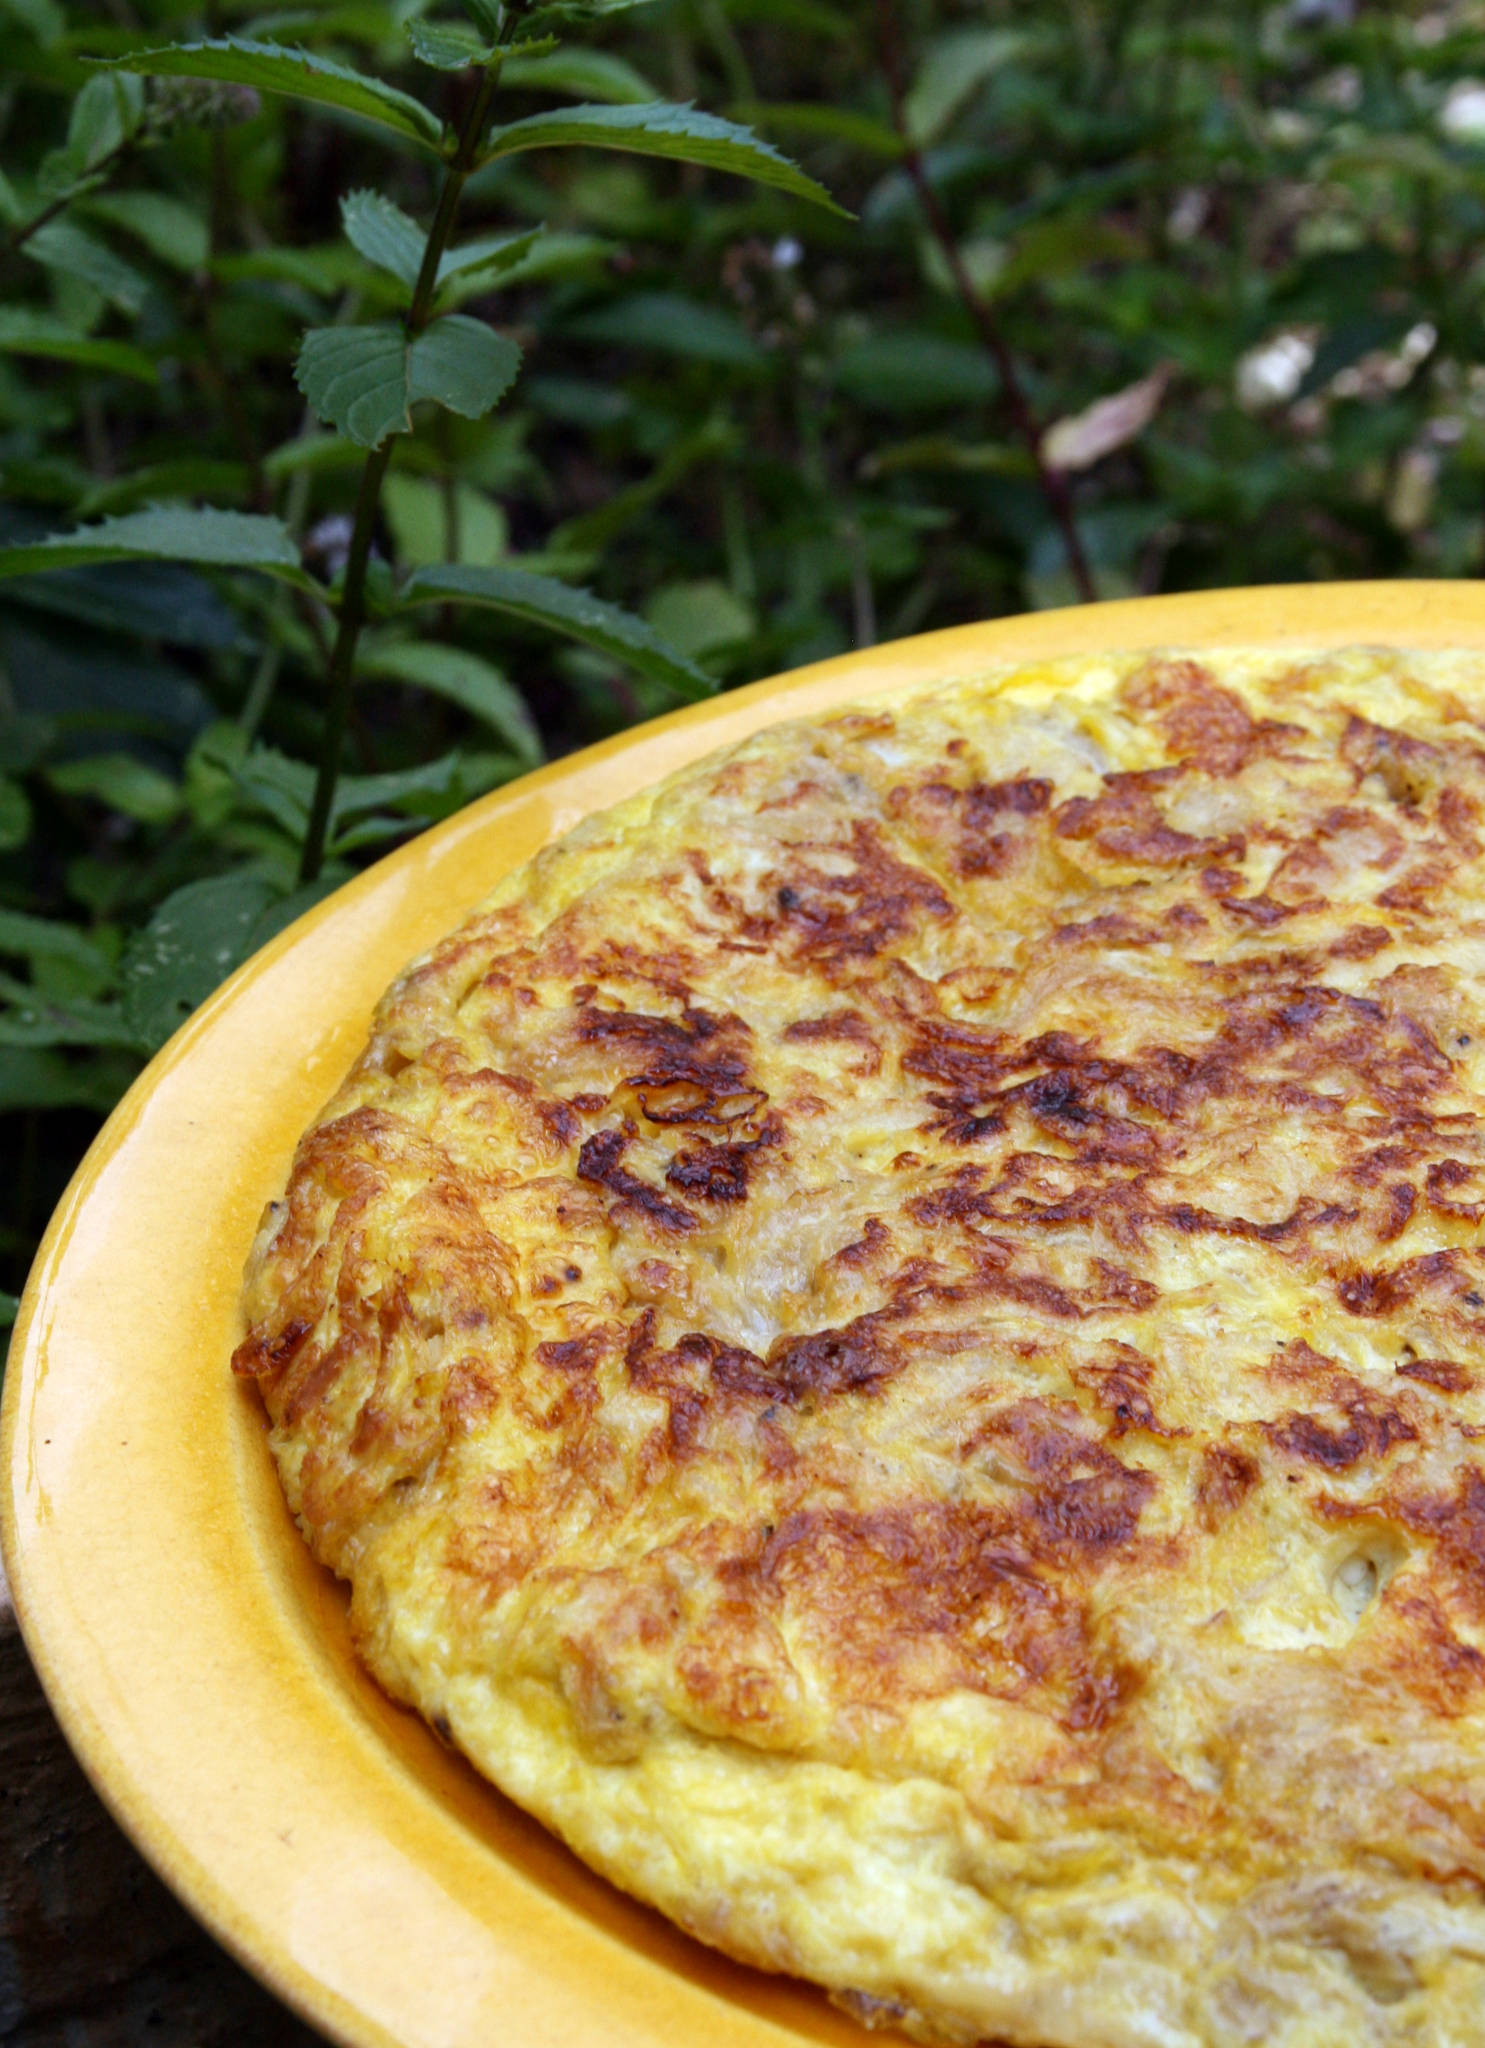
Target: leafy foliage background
<point>1200,285</point>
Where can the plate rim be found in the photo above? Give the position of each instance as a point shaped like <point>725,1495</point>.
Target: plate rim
<point>1408,615</point>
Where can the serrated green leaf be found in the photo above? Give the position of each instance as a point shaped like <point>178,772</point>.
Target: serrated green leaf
<point>540,601</point>
<point>492,253</point>
<point>302,74</point>
<point>378,229</point>
<point>462,365</point>
<point>586,74</point>
<point>664,129</point>
<point>461,678</point>
<point>197,937</point>
<point>169,229</point>
<point>15,815</point>
<point>63,245</point>
<point>364,379</point>
<point>355,378</point>
<point>448,45</point>
<point>168,533</point>
<point>123,782</point>
<point>190,945</point>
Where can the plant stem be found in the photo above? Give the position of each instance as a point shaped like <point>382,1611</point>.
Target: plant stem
<point>1051,481</point>
<point>19,236</point>
<point>343,658</point>
<point>352,608</point>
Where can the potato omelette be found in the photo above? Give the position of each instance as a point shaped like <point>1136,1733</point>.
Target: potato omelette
<point>891,1339</point>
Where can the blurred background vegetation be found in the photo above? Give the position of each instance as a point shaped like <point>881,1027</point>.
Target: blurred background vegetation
<point>1138,296</point>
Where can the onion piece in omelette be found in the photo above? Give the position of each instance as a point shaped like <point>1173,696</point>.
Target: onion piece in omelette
<point>891,1338</point>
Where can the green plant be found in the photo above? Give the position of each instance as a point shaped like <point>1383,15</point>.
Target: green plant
<point>364,380</point>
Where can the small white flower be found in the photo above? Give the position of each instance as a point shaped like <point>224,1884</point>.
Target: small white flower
<point>1272,373</point>
<point>1462,116</point>
<point>788,251</point>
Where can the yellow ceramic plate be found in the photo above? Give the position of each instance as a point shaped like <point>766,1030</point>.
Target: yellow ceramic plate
<point>196,1658</point>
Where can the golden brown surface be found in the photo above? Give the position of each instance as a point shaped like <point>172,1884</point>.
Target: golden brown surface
<point>888,1340</point>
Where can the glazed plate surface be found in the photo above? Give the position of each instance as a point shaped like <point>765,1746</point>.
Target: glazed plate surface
<point>198,1660</point>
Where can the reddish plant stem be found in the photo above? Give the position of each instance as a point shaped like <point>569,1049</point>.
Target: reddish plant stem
<point>1052,482</point>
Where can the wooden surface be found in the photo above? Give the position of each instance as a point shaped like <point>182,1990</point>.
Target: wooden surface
<point>94,1951</point>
